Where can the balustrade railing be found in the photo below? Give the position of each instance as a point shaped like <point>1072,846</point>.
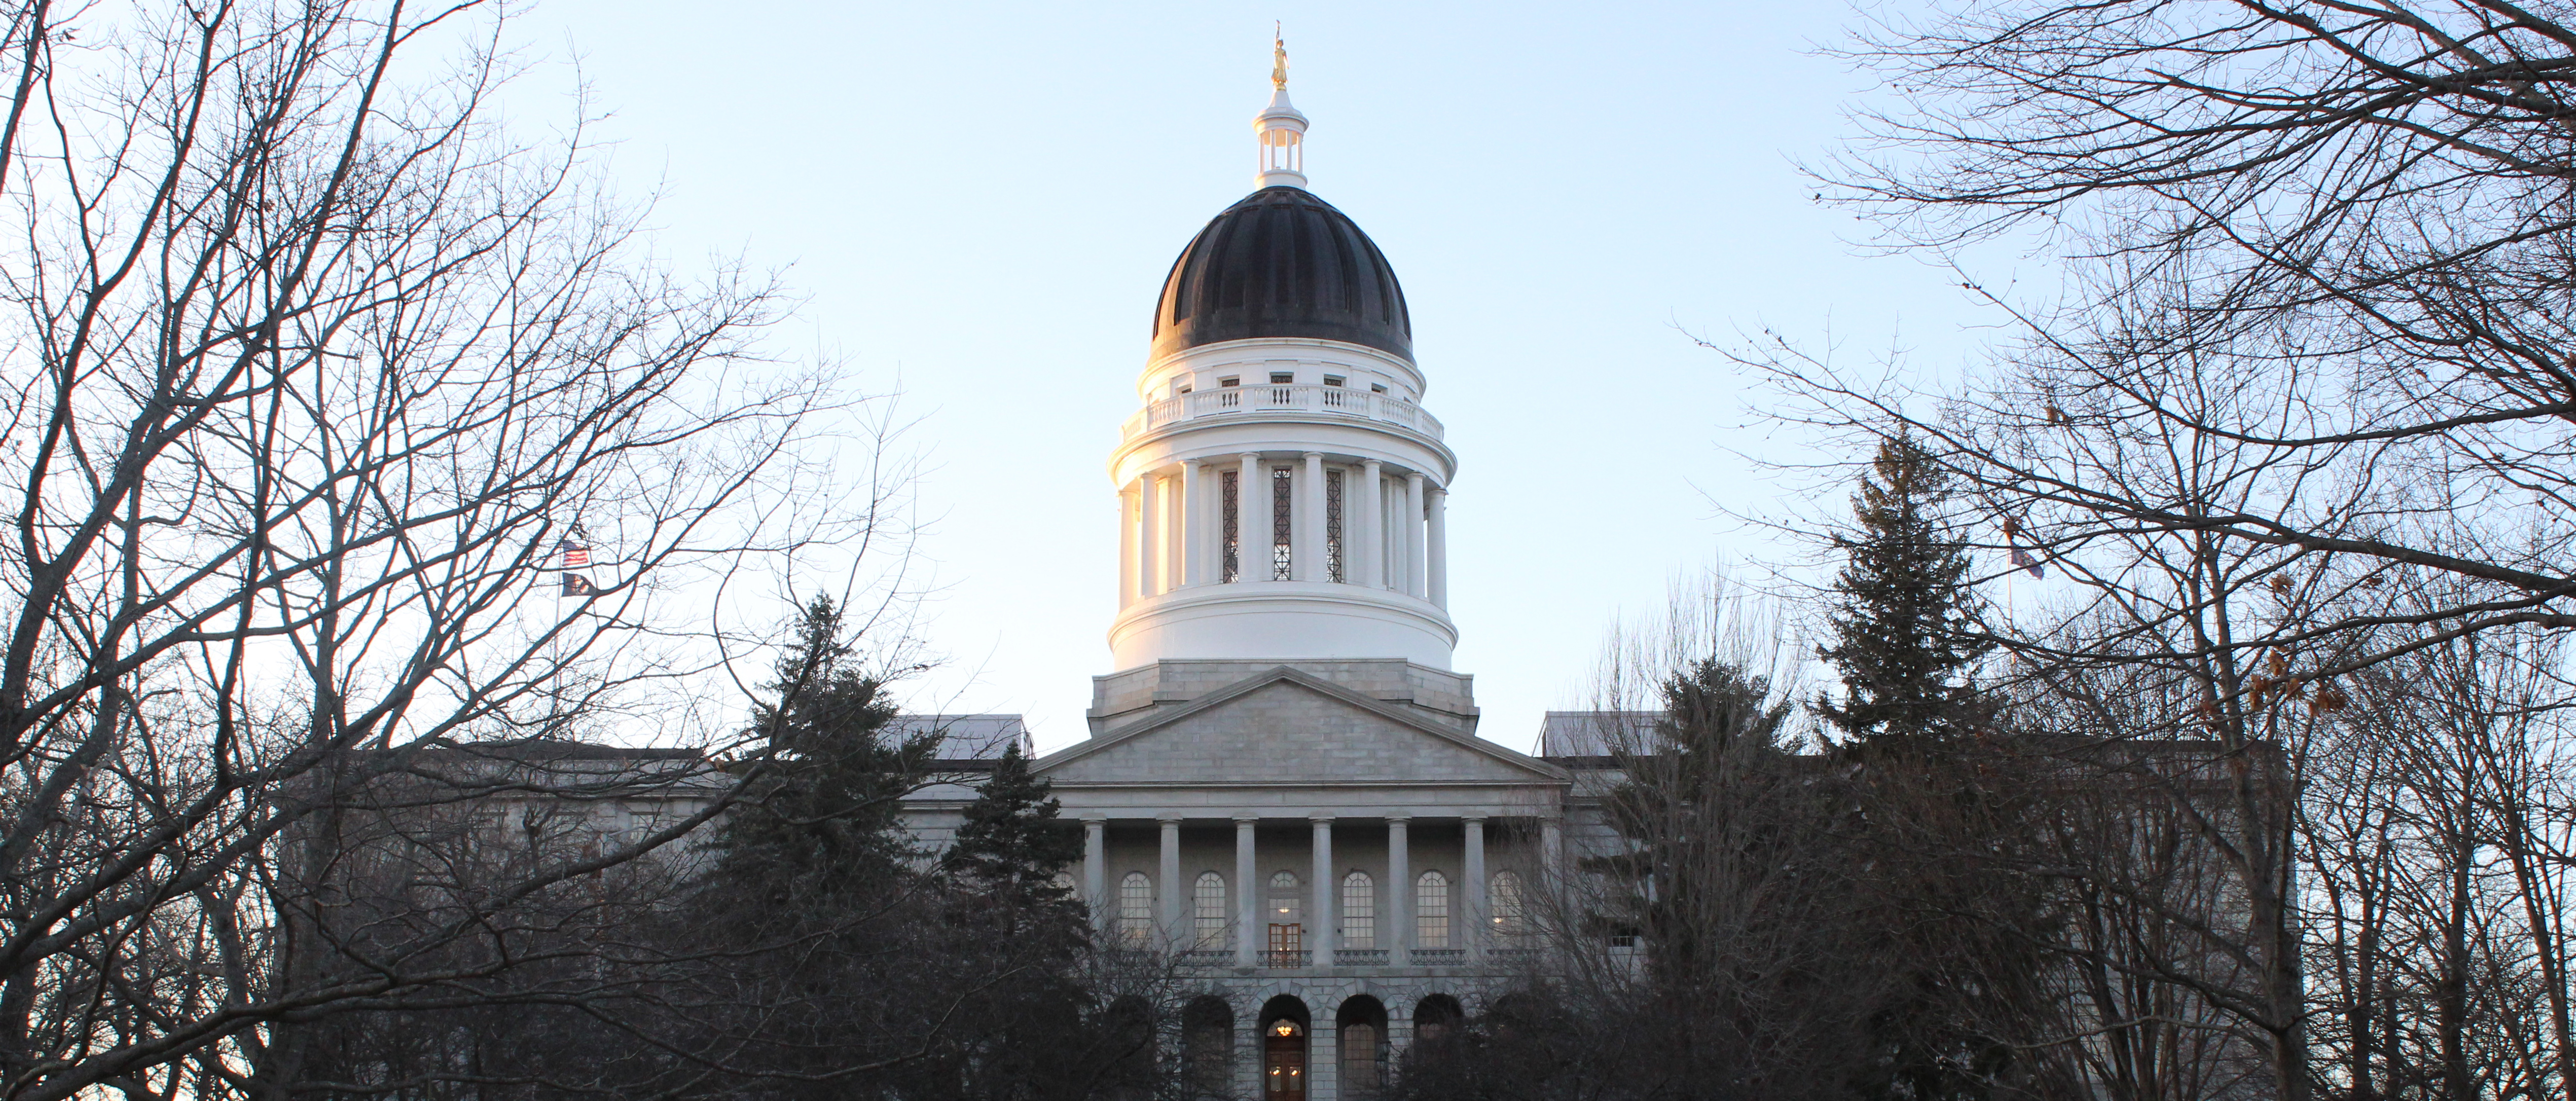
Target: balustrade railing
<point>1359,957</point>
<point>1284,398</point>
<point>1439,955</point>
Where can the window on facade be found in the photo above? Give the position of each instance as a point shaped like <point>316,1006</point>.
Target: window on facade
<point>1231,490</point>
<point>1359,911</point>
<point>1136,907</point>
<point>1207,1042</point>
<point>1503,894</point>
<point>1377,388</point>
<point>1207,904</point>
<point>1287,899</point>
<point>1332,380</point>
<point>1184,389</point>
<point>1229,382</point>
<point>1359,1061</point>
<point>1283,378</point>
<point>1333,525</point>
<point>1283,499</point>
<point>1287,921</point>
<point>1431,910</point>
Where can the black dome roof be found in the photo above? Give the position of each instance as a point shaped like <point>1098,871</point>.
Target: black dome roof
<point>1282,263</point>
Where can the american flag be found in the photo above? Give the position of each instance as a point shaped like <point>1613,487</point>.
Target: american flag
<point>575,556</point>
<point>576,585</point>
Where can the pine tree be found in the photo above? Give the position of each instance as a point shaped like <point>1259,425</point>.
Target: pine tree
<point>820,818</point>
<point>1903,635</point>
<point>1906,644</point>
<point>1012,851</point>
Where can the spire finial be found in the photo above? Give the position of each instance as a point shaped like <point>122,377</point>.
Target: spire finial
<point>1282,130</point>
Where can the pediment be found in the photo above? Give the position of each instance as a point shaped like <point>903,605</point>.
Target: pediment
<point>1284,726</point>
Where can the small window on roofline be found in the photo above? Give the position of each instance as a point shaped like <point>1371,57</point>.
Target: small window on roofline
<point>1332,380</point>
<point>1229,382</point>
<point>1182,389</point>
<point>1283,377</point>
<point>1377,388</point>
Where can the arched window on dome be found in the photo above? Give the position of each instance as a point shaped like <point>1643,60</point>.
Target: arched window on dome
<point>1431,910</point>
<point>1333,570</point>
<point>1359,910</point>
<point>1283,508</point>
<point>1207,902</point>
<point>1231,485</point>
<point>1136,908</point>
<point>1503,896</point>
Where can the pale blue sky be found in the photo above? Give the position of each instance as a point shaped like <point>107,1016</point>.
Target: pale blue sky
<point>980,201</point>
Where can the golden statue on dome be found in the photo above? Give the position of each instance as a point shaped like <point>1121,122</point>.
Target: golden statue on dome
<point>1278,58</point>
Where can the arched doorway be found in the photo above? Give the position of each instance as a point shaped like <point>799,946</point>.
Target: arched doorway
<point>1362,1036</point>
<point>1284,1027</point>
<point>1437,1018</point>
<point>1207,1046</point>
<point>1130,1022</point>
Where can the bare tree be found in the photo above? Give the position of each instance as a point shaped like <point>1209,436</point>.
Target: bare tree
<point>2439,840</point>
<point>342,428</point>
<point>2327,243</point>
<point>2309,350</point>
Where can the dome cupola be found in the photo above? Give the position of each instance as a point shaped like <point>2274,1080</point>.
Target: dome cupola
<point>1282,493</point>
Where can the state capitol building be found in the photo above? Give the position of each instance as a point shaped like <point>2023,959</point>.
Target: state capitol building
<point>1283,784</point>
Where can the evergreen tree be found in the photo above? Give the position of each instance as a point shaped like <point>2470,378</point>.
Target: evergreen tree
<point>1011,853</point>
<point>1903,636</point>
<point>821,815</point>
<point>1905,642</point>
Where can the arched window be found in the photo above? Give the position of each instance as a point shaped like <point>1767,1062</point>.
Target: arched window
<point>1363,1048</point>
<point>1287,921</point>
<point>1287,899</point>
<point>1136,907</point>
<point>1431,910</point>
<point>1359,1061</point>
<point>1504,895</point>
<point>1207,902</point>
<point>1359,910</point>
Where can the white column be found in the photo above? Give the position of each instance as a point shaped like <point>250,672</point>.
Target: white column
<point>1321,939</point>
<point>1365,544</point>
<point>1171,887</point>
<point>1200,520</point>
<point>1149,535</point>
<point>1126,546</point>
<point>1095,869</point>
<point>1247,900</point>
<point>1439,552</point>
<point>1185,526</point>
<point>1551,838</point>
<point>1413,548</point>
<point>1309,523</point>
<point>1176,528</point>
<point>1399,892</point>
<point>1478,920</point>
<point>1252,519</point>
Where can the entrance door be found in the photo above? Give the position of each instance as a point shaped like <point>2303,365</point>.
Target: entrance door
<point>1287,945</point>
<point>1283,1062</point>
